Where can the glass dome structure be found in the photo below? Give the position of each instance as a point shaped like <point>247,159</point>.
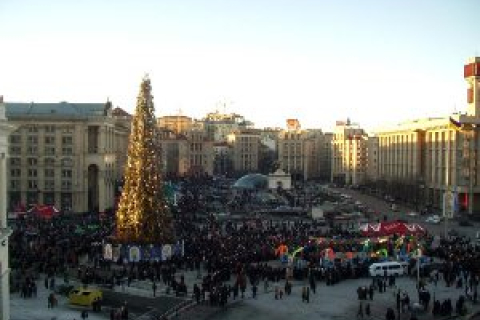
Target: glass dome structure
<point>254,181</point>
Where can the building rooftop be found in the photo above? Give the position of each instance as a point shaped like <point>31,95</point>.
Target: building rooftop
<point>60,110</point>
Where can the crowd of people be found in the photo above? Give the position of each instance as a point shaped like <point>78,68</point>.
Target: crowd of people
<point>235,255</point>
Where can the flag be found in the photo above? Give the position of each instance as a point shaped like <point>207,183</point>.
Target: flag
<point>457,125</point>
<point>453,124</point>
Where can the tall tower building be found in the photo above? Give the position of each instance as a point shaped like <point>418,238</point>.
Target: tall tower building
<point>471,74</point>
<point>349,151</point>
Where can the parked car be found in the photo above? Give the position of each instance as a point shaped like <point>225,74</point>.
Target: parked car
<point>435,219</point>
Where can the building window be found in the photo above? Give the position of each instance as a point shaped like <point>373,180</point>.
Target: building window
<point>67,151</point>
<point>15,139</point>
<point>32,173</point>
<point>50,129</point>
<point>67,140</point>
<point>32,129</point>
<point>49,184</point>
<point>50,173</point>
<point>15,150</point>
<point>49,140</point>
<point>49,151</point>
<point>32,184</point>
<point>67,129</point>
<point>15,161</point>
<point>49,162</point>
<point>32,139</point>
<point>67,162</point>
<point>32,161</point>
<point>66,185</point>
<point>49,198</point>
<point>66,173</point>
<point>15,172</point>
<point>14,184</point>
<point>32,150</point>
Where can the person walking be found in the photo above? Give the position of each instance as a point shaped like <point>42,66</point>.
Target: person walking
<point>360,311</point>
<point>390,314</point>
<point>154,289</point>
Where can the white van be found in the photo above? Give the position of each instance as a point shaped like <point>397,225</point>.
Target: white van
<point>393,268</point>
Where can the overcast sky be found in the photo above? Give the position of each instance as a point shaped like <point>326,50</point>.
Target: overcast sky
<point>375,62</point>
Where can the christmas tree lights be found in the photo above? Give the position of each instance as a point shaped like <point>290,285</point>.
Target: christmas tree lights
<point>143,216</point>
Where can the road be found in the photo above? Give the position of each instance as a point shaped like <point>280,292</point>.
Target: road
<point>382,208</point>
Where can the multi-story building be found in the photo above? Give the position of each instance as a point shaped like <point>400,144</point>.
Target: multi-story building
<point>325,157</point>
<point>301,152</point>
<point>372,158</point>
<point>245,150</point>
<point>436,155</point>
<point>176,123</point>
<point>175,160</point>
<point>222,161</point>
<point>5,129</point>
<point>64,154</point>
<point>200,150</point>
<point>292,153</point>
<point>186,153</point>
<point>219,125</point>
<point>349,154</point>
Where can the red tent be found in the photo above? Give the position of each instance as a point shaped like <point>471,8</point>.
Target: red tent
<point>44,211</point>
<point>387,228</point>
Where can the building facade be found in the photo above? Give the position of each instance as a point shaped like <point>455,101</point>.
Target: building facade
<point>292,153</point>
<point>245,148</point>
<point>5,129</point>
<point>372,159</point>
<point>200,152</point>
<point>219,125</point>
<point>176,123</point>
<point>64,154</point>
<point>436,155</point>
<point>325,157</point>
<point>186,153</point>
<point>302,153</point>
<point>349,154</point>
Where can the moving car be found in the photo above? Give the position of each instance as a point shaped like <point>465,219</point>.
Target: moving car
<point>84,296</point>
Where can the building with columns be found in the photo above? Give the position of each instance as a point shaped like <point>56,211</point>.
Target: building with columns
<point>432,156</point>
<point>5,129</point>
<point>64,154</point>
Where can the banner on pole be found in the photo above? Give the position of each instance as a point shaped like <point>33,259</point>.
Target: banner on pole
<point>449,204</point>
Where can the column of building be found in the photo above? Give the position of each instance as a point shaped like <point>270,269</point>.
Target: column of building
<point>102,192</point>
<point>4,267</point>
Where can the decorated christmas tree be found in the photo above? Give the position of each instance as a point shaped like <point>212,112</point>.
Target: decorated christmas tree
<point>142,215</point>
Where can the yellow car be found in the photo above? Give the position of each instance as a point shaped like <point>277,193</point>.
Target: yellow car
<point>84,296</point>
